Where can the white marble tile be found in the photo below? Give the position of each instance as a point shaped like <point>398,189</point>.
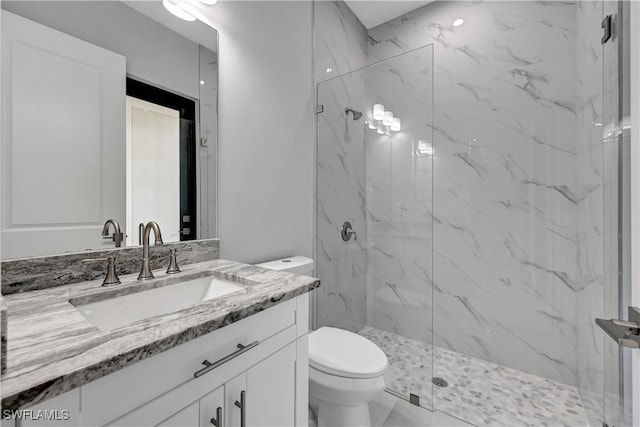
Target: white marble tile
<point>340,40</point>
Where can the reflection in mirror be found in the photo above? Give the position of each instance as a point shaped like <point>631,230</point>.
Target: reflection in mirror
<point>108,112</point>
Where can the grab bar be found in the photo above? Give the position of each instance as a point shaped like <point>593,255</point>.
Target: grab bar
<point>208,366</point>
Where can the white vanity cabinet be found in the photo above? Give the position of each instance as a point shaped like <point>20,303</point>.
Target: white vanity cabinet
<point>263,395</point>
<point>270,378</point>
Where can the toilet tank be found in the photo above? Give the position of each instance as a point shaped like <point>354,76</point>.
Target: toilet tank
<point>294,264</point>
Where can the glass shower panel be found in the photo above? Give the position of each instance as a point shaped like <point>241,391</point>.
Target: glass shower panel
<point>378,177</point>
<point>399,221</point>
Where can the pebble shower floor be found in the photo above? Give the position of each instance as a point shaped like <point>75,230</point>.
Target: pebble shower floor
<point>478,392</point>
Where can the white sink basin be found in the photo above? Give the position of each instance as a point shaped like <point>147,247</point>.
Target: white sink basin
<point>124,310</point>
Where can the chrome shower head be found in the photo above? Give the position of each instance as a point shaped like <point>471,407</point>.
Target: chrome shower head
<point>356,114</point>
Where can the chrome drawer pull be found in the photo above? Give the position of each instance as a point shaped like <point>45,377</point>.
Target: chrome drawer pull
<point>208,366</point>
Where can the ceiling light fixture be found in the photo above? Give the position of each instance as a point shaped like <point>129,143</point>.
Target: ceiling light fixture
<point>177,11</point>
<point>209,2</point>
<point>458,22</point>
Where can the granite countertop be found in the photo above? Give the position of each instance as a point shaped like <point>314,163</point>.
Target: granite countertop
<point>52,348</point>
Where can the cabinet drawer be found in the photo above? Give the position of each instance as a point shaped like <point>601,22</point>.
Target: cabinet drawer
<point>158,409</point>
<point>110,397</point>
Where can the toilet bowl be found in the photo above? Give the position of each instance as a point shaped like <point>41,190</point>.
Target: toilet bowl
<point>346,370</point>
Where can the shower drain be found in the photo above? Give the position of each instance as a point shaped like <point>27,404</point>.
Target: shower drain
<point>440,382</point>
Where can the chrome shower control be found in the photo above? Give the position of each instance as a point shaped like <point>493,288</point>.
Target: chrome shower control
<point>346,231</point>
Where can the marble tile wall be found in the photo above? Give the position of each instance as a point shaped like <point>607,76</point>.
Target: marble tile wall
<point>505,193</point>
<point>28,274</point>
<point>341,197</point>
<point>590,231</point>
<point>340,45</point>
<point>340,40</point>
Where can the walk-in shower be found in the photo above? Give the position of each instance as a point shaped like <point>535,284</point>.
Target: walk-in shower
<point>482,247</point>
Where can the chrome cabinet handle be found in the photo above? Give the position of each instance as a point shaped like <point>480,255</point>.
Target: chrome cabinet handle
<point>243,409</point>
<point>208,366</point>
<point>217,421</point>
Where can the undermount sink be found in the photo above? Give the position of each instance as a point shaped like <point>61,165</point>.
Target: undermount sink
<point>120,311</point>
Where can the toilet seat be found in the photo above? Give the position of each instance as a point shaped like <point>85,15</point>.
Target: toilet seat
<point>345,354</point>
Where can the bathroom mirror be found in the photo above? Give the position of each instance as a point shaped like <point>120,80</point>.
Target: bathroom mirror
<point>109,111</point>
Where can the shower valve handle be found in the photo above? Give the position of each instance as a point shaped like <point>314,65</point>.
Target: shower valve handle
<point>346,231</point>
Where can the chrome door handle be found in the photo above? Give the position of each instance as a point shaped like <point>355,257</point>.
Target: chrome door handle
<point>243,409</point>
<point>346,231</point>
<point>217,421</point>
<point>208,366</point>
<point>625,332</point>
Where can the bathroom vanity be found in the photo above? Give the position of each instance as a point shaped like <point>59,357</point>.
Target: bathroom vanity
<point>236,359</point>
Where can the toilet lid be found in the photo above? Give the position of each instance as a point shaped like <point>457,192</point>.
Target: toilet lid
<point>345,354</point>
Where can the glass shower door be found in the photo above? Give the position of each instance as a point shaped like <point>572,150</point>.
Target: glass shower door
<point>377,175</point>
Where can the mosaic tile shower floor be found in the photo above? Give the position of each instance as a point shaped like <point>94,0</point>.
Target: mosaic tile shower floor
<point>479,392</point>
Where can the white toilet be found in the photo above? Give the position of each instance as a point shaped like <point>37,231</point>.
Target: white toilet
<point>346,370</point>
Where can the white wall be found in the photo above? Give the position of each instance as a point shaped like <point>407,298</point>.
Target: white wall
<point>265,148</point>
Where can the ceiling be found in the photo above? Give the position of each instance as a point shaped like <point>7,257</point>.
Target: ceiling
<point>373,13</point>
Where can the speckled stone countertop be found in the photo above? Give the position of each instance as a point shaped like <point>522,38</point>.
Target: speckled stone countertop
<point>52,348</point>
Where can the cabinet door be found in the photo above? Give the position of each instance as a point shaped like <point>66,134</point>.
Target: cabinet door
<point>234,390</point>
<point>186,417</point>
<point>212,409</point>
<point>270,399</point>
<point>62,410</point>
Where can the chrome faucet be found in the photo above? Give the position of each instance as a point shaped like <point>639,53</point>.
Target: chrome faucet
<point>117,234</point>
<point>145,271</point>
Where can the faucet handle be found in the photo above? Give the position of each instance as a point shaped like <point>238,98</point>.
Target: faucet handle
<point>173,262</point>
<point>112,276</point>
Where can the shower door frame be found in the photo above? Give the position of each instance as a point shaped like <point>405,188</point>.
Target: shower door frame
<point>622,59</point>
<point>634,20</point>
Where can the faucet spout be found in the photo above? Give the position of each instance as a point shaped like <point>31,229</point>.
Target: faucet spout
<point>117,234</point>
<point>145,270</point>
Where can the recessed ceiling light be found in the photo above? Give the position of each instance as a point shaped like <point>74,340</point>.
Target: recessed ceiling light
<point>202,82</point>
<point>177,11</point>
<point>458,22</point>
<point>209,2</point>
<point>329,70</point>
